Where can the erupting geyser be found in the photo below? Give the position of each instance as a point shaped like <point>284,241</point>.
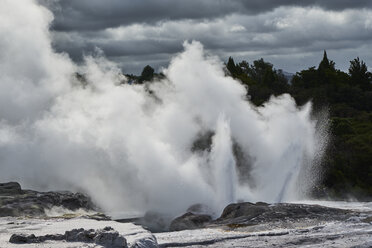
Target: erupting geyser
<point>131,150</point>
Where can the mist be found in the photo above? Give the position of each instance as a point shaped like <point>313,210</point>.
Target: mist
<point>131,150</point>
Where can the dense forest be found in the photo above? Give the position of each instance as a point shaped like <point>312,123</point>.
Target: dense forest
<point>347,97</point>
<point>347,166</point>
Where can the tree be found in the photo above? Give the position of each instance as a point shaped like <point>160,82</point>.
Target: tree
<point>359,74</point>
<point>244,65</point>
<point>232,67</point>
<point>326,64</point>
<point>262,72</point>
<point>261,78</point>
<point>147,74</point>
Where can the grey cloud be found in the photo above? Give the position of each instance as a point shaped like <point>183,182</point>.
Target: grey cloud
<point>267,5</point>
<point>145,47</point>
<point>118,48</point>
<point>243,29</point>
<point>97,14</point>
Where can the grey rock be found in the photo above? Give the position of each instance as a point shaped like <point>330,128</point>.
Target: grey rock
<point>110,239</point>
<point>17,202</point>
<point>10,188</point>
<point>149,242</point>
<point>108,228</point>
<point>262,204</point>
<point>28,239</point>
<point>75,201</point>
<point>97,216</point>
<point>77,235</point>
<point>106,237</point>
<point>189,221</point>
<point>273,234</point>
<point>246,214</point>
<point>155,221</point>
<point>23,239</point>
<point>6,211</point>
<point>53,237</point>
<point>248,210</point>
<point>200,209</point>
<point>253,214</point>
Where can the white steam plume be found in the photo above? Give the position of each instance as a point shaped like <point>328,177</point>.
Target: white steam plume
<point>131,150</point>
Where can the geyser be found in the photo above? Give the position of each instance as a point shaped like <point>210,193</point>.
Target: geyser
<point>131,150</point>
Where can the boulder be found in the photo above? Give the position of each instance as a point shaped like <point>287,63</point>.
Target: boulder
<point>80,235</point>
<point>106,237</point>
<point>23,239</point>
<point>5,211</point>
<point>111,239</point>
<point>155,221</point>
<point>200,209</point>
<point>245,209</point>
<point>252,214</point>
<point>11,188</point>
<point>190,221</point>
<point>52,237</point>
<point>75,201</point>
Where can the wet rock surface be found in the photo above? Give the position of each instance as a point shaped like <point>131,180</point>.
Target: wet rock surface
<point>106,237</point>
<point>14,201</point>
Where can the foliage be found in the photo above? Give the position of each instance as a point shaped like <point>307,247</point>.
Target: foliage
<point>348,96</point>
<point>261,79</point>
<point>147,74</point>
<point>359,74</point>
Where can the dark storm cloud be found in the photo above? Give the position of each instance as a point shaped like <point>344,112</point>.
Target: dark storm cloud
<point>140,32</point>
<point>98,14</point>
<point>121,48</point>
<point>267,5</point>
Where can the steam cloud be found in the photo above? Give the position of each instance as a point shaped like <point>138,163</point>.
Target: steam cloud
<point>131,150</point>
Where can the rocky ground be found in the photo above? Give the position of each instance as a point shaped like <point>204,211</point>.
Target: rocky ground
<point>76,232</point>
<point>321,234</point>
<point>61,219</point>
<point>27,222</point>
<point>14,201</point>
<point>278,225</point>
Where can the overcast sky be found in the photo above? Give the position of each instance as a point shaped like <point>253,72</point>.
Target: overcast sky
<point>288,33</point>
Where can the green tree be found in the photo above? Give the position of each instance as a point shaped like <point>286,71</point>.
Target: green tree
<point>326,64</point>
<point>232,67</point>
<point>244,65</point>
<point>359,74</point>
<point>262,72</point>
<point>262,80</point>
<point>147,74</point>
